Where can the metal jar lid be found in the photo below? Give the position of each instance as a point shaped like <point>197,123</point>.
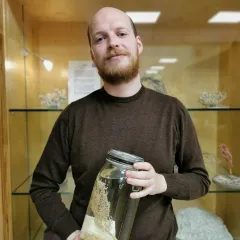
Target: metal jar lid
<point>123,157</point>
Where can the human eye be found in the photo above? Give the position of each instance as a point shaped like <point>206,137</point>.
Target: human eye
<point>99,39</point>
<point>122,34</point>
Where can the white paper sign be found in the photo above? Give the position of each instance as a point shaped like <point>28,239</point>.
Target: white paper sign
<point>83,79</point>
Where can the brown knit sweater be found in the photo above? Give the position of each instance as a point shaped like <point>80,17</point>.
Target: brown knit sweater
<point>149,124</point>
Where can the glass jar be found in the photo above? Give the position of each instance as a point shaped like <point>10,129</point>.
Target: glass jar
<point>111,211</point>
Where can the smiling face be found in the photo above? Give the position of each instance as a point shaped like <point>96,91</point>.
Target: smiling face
<point>114,47</point>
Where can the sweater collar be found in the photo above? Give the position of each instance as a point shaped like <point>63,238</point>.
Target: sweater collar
<point>132,98</point>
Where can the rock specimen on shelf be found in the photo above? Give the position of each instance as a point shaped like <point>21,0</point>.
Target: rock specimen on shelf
<point>212,99</point>
<point>200,224</point>
<point>228,181</point>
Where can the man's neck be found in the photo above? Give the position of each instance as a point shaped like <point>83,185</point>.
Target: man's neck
<point>124,89</point>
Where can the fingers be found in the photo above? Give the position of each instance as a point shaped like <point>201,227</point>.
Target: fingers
<point>139,182</point>
<point>82,235</point>
<point>142,178</point>
<point>139,175</point>
<point>146,170</point>
<point>140,194</point>
<point>79,236</point>
<point>143,166</point>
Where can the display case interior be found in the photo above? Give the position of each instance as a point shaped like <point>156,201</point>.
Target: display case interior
<point>205,78</point>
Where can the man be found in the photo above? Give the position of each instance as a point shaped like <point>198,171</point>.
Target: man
<point>125,116</point>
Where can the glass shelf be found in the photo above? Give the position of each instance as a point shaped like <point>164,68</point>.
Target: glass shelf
<point>67,188</point>
<point>60,110</point>
<point>35,110</point>
<point>214,109</point>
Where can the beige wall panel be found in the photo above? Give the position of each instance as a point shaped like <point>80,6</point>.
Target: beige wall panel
<point>14,59</point>
<point>16,93</point>
<point>229,81</point>
<point>40,125</point>
<point>19,165</point>
<point>20,217</point>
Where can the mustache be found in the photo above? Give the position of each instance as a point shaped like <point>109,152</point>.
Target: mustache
<point>117,53</point>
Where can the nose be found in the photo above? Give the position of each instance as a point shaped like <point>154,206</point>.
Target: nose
<point>113,42</point>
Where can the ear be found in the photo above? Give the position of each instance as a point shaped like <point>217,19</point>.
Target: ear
<point>139,44</point>
<point>92,56</point>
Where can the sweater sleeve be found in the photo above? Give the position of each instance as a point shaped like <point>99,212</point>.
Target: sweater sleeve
<point>49,173</point>
<point>192,179</point>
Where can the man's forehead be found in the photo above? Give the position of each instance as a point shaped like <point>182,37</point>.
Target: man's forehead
<point>109,27</point>
<point>101,22</point>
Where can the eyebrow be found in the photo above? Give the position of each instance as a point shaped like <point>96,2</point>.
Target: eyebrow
<point>123,28</point>
<point>118,28</point>
<point>99,32</point>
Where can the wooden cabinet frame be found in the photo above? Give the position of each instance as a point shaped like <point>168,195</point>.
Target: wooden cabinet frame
<point>5,183</point>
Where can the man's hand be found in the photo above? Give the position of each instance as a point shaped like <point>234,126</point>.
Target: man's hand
<point>147,178</point>
<point>79,236</point>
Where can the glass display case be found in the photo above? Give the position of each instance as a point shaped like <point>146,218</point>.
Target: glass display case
<point>204,77</point>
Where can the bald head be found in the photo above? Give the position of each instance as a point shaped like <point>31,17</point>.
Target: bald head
<point>109,11</point>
